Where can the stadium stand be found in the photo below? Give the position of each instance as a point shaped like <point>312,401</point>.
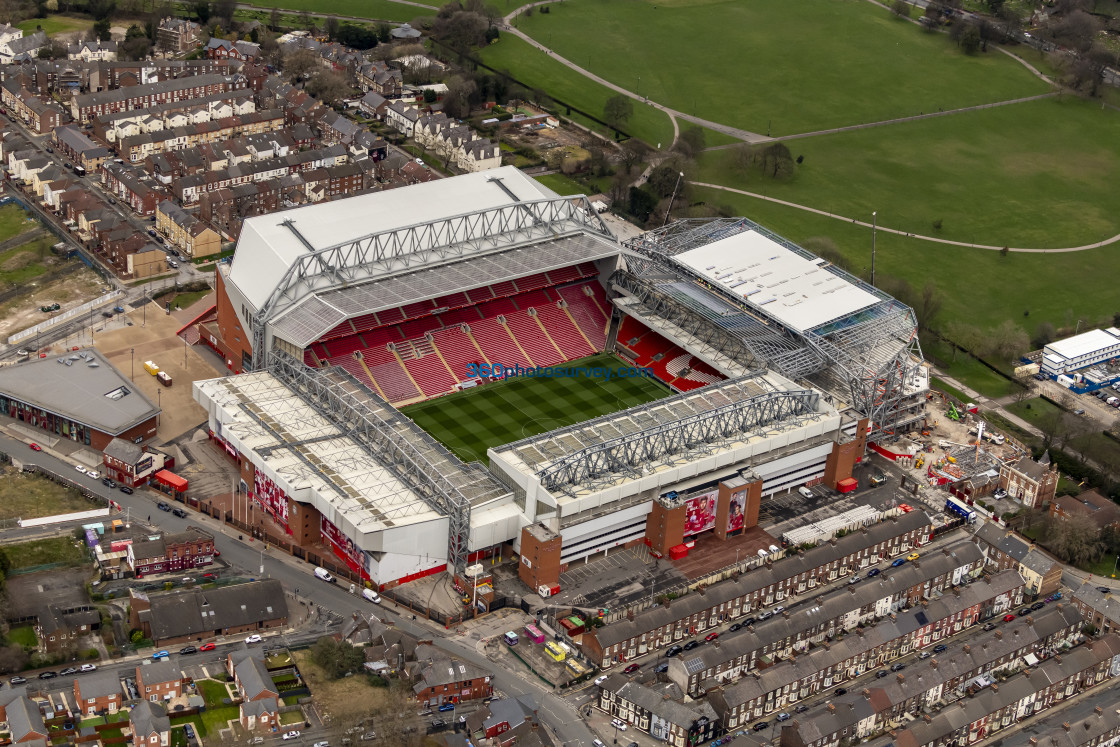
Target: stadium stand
<point>563,331</point>
<point>532,339</point>
<point>676,367</point>
<point>426,367</point>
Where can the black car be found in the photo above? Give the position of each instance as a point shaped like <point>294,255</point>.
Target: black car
<point>108,482</point>
<point>898,667</point>
<point>747,621</point>
<point>662,667</point>
<point>840,691</point>
<point>126,490</point>
<point>691,645</point>
<point>939,648</point>
<point>734,627</point>
<point>68,670</point>
<point>1023,612</point>
<point>760,725</point>
<point>1037,606</point>
<point>438,723</point>
<point>163,506</point>
<point>188,650</point>
<point>801,709</point>
<point>675,649</point>
<point>47,675</point>
<point>179,512</point>
<point>17,680</point>
<point>881,673</point>
<point>873,573</point>
<point>1103,589</point>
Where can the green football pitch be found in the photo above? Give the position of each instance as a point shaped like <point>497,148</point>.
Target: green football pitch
<point>471,421</point>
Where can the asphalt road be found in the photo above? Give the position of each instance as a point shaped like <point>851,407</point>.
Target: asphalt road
<point>251,557</point>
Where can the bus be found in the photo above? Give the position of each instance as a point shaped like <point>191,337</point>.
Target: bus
<point>534,634</point>
<point>554,651</point>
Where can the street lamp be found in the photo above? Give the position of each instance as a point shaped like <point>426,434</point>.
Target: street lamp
<point>1114,566</point>
<point>873,227</point>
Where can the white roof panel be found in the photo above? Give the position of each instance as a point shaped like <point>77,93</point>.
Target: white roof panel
<point>1083,344</point>
<point>266,248</point>
<point>794,289</point>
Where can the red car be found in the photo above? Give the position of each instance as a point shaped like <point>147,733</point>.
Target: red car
<point>35,447</point>
<point>217,553</point>
<point>208,575</point>
<point>1008,618</point>
<point>711,637</point>
<point>632,668</point>
<point>207,647</point>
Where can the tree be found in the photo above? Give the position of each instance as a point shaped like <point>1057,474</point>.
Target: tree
<point>1075,539</point>
<point>970,39</point>
<point>12,659</point>
<point>664,177</point>
<point>337,658</point>
<point>634,151</point>
<point>642,203</point>
<point>330,27</point>
<point>825,248</point>
<point>429,96</point>
<point>462,94</point>
<point>901,8</point>
<point>618,110</point>
<point>1044,334</point>
<point>329,86</point>
<point>691,142</point>
<point>774,160</point>
<point>274,19</point>
<point>201,10</point>
<point>300,64</point>
<point>224,10</point>
<point>101,9</point>
<point>1008,341</point>
<point>136,44</point>
<point>462,30</point>
<point>928,303</point>
<point>384,33</point>
<point>101,29</point>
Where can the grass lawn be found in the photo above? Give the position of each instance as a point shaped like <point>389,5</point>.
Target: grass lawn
<point>213,693</point>
<point>344,698</point>
<point>1035,410</point>
<point>980,287</point>
<point>281,659</point>
<point>938,384</point>
<point>790,67</point>
<point>22,264</point>
<point>23,636</point>
<point>195,721</point>
<point>55,24</point>
<point>28,496</point>
<point>185,300</point>
<point>471,421</point>
<point>966,369</point>
<point>538,70</point>
<point>381,10</point>
<point>563,185</point>
<point>949,169</point>
<point>178,738</point>
<point>14,221</point>
<point>216,719</point>
<point>1095,444</point>
<point>291,717</point>
<point>55,550</point>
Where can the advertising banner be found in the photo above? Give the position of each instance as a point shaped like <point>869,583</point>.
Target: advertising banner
<point>270,497</point>
<point>345,548</point>
<point>735,513</point>
<point>700,513</point>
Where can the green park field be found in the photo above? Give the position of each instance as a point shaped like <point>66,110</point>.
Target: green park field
<point>793,67</point>
<point>470,422</point>
<point>380,10</point>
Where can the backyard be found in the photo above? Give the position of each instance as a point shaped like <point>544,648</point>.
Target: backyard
<point>25,495</point>
<point>24,636</point>
<point>342,698</point>
<point>63,550</point>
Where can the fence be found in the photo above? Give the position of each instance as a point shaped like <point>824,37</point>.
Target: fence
<point>64,316</point>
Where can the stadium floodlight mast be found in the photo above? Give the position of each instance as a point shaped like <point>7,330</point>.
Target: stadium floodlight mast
<point>873,226</point>
<point>680,176</point>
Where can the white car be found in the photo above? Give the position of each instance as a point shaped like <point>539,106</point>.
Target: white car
<point>291,735</point>
<point>89,667</point>
<point>94,474</point>
<point>618,724</point>
<point>322,744</point>
<point>256,740</point>
<point>255,638</point>
<point>80,468</point>
<point>600,679</point>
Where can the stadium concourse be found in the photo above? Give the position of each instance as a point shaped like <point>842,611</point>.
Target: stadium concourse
<point>759,369</point>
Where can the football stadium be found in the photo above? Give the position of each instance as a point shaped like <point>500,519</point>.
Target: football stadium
<point>422,376</point>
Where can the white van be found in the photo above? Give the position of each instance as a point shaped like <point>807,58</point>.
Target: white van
<point>321,573</point>
<point>774,548</point>
<point>805,491</point>
<point>371,595</point>
<point>763,554</point>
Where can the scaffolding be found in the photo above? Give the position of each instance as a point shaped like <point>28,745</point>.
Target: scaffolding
<point>870,359</point>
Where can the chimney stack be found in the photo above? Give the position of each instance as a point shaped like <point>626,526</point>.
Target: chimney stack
<point>999,635</point>
<point>1065,725</point>
<point>926,718</point>
<point>1098,711</point>
<point>967,648</point>
<point>831,708</point>
<point>995,687</point>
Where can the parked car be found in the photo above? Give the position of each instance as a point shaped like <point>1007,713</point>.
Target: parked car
<point>766,615</point>
<point>324,743</point>
<point>881,674</point>
<point>734,627</point>
<point>662,667</point>
<point>1037,606</point>
<point>93,474</point>
<point>761,725</point>
<point>80,468</point>
<point>160,654</point>
<point>632,668</point>
<point>939,648</point>
<point>1054,597</point>
<point>179,512</point>
<point>675,649</point>
<point>254,638</point>
<point>854,579</point>
<point>291,735</point>
<point>711,637</point>
<point>207,647</point>
<point>447,707</point>
<point>17,680</point>
<point>35,447</point>
<point>89,667</point>
<point>1008,617</point>
<point>989,626</point>
<point>778,610</point>
<point>68,670</point>
<point>801,709</point>
<point>898,667</point>
<point>924,655</point>
<point>691,645</point>
<point>47,675</point>
<point>125,489</point>
<point>783,717</point>
<point>913,556</point>
<point>840,691</point>
<point>898,562</point>
<point>109,483</point>
<point>746,621</point>
<point>185,650</point>
<point>873,573</point>
<point>1104,589</point>
<point>163,506</point>
<point>1023,612</point>
<point>601,679</point>
<point>618,724</point>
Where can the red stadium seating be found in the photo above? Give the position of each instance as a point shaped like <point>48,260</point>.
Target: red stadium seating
<point>534,342</point>
<point>667,361</point>
<point>497,344</point>
<point>532,282</point>
<point>532,298</point>
<point>453,301</point>
<point>491,309</point>
<point>563,332</point>
<point>502,290</point>
<point>458,350</point>
<point>589,318</point>
<point>428,370</point>
<point>477,295</point>
<point>458,316</point>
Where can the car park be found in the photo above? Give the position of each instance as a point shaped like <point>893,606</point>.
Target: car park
<point>632,668</point>
<point>939,648</point>
<point>873,573</point>
<point>999,494</point>
<point>618,724</point>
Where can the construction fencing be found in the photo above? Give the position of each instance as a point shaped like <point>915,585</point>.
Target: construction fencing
<point>64,317</point>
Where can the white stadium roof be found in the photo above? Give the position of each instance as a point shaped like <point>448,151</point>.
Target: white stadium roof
<point>796,290</point>
<point>267,248</point>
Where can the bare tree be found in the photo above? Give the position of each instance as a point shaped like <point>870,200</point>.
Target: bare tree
<point>1075,539</point>
<point>329,86</point>
<point>300,64</point>
<point>634,151</point>
<point>618,110</point>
